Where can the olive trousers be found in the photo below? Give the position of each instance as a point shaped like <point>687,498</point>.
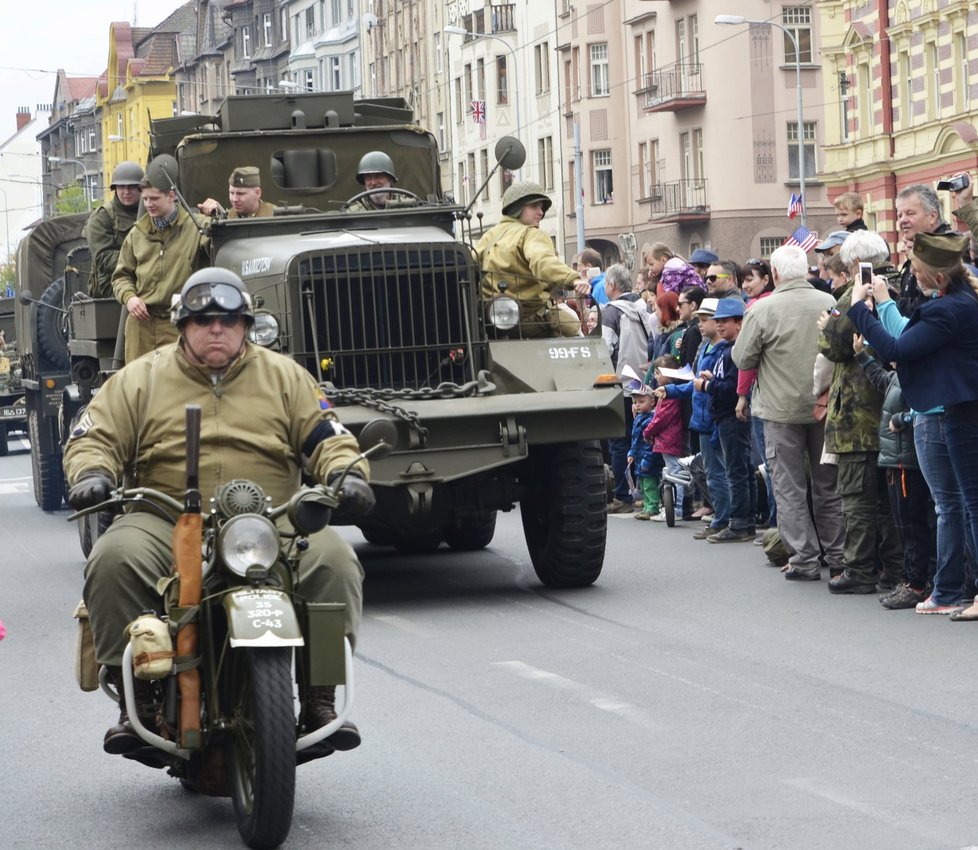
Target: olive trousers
<point>135,552</point>
<point>148,335</point>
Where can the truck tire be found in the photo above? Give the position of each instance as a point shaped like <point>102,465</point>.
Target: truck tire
<point>46,469</point>
<point>50,326</point>
<point>417,543</point>
<point>564,513</point>
<point>469,533</point>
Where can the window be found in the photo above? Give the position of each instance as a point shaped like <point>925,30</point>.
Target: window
<point>441,132</point>
<point>484,162</point>
<point>935,80</point>
<point>571,190</point>
<point>599,70</point>
<point>467,76</point>
<point>963,85</point>
<point>266,25</point>
<point>844,104</point>
<point>480,79</point>
<point>699,167</point>
<point>545,162</point>
<point>283,24</point>
<point>245,42</point>
<point>907,74</point>
<point>458,100</point>
<point>694,40</point>
<point>335,74</point>
<point>353,70</point>
<point>462,184</point>
<point>769,244</point>
<point>866,101</point>
<point>685,156</point>
<point>681,48</point>
<point>439,58</point>
<point>310,21</point>
<point>502,81</point>
<point>309,79</point>
<point>541,66</point>
<point>604,187</point>
<point>91,138</point>
<point>470,175</point>
<point>120,129</point>
<point>798,21</point>
<point>809,144</point>
<point>335,11</point>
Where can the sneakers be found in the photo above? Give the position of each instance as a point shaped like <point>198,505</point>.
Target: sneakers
<point>707,532</point>
<point>732,535</point>
<point>643,515</point>
<point>845,583</point>
<point>617,506</point>
<point>929,606</point>
<point>903,596</point>
<point>659,517</point>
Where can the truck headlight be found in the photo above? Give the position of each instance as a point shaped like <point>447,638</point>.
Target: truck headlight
<point>503,312</point>
<point>264,330</point>
<point>246,541</point>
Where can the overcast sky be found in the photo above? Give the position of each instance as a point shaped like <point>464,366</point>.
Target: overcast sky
<point>45,35</point>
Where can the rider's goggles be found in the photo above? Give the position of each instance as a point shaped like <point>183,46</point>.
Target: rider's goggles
<point>207,296</point>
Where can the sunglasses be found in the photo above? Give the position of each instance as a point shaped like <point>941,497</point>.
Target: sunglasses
<point>713,278</point>
<point>756,262</point>
<point>229,320</point>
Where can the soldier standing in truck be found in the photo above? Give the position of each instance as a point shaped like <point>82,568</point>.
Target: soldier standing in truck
<point>108,225</point>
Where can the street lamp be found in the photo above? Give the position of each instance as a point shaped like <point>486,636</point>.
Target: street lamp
<point>453,30</point>
<point>6,226</point>
<point>740,19</point>
<point>116,138</point>
<point>59,159</point>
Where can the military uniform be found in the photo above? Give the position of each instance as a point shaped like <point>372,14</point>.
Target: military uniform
<point>852,432</point>
<point>367,204</point>
<point>524,258</point>
<point>262,420</point>
<point>264,211</point>
<point>153,265</point>
<point>105,231</point>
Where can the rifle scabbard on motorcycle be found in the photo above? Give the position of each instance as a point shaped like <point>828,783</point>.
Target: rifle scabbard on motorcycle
<point>235,638</point>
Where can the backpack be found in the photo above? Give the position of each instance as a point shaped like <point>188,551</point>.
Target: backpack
<point>633,334</point>
<point>775,550</point>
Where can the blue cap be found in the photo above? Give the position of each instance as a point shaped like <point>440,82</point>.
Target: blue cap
<point>702,257</point>
<point>837,237</point>
<point>730,308</point>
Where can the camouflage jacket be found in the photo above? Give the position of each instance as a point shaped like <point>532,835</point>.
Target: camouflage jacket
<point>105,231</point>
<point>853,416</point>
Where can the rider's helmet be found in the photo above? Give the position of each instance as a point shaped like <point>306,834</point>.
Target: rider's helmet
<point>375,162</point>
<point>522,193</point>
<point>126,174</point>
<point>212,292</point>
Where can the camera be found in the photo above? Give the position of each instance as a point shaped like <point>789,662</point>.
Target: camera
<point>866,273</point>
<point>955,184</point>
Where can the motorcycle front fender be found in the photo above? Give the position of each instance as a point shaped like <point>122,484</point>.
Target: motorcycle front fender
<point>261,616</point>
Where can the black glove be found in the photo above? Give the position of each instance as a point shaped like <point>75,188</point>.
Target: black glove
<point>356,497</point>
<point>92,488</point>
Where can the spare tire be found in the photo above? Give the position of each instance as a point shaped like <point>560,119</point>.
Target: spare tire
<point>52,337</point>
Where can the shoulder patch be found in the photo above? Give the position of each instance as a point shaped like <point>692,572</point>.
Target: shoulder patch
<point>323,401</point>
<point>82,426</point>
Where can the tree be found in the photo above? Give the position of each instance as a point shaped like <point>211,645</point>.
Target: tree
<point>72,200</point>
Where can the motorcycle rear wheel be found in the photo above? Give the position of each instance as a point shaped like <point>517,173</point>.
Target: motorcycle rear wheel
<point>261,746</point>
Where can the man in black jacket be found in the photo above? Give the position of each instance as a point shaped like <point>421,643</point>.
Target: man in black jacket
<point>918,211</point>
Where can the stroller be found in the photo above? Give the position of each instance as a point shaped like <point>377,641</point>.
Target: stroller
<point>670,480</point>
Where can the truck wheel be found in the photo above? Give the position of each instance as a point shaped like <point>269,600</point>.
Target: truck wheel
<point>3,440</point>
<point>417,543</point>
<point>46,469</point>
<point>469,533</point>
<point>51,337</point>
<point>563,512</point>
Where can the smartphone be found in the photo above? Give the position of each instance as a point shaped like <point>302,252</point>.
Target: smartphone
<point>866,273</point>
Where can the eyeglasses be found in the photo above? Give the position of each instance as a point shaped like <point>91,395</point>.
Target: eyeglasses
<point>756,262</point>
<point>229,320</point>
<point>228,298</point>
<point>713,278</point>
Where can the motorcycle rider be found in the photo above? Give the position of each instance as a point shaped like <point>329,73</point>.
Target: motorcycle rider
<point>264,418</point>
<point>108,225</point>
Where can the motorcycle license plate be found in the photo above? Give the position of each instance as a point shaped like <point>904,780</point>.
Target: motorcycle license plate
<point>13,412</point>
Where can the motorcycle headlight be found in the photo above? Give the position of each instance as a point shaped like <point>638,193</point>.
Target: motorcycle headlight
<point>503,312</point>
<point>264,330</point>
<point>247,541</point>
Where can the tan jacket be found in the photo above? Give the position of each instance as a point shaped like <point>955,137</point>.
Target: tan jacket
<point>262,420</point>
<point>264,211</point>
<point>155,265</point>
<point>523,257</point>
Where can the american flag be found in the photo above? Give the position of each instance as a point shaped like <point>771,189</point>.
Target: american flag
<point>795,204</point>
<point>803,238</point>
<point>479,111</point>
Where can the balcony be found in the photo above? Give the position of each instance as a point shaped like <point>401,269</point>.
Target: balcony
<point>678,201</point>
<point>673,88</point>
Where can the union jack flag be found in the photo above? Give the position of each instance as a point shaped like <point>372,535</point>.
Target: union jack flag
<point>795,205</point>
<point>803,238</point>
<point>479,111</point>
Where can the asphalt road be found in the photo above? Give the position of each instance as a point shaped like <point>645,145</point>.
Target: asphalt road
<point>691,699</point>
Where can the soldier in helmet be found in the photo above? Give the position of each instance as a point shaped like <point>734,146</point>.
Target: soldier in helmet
<point>160,252</point>
<point>264,418</point>
<point>108,225</point>
<point>520,255</point>
<point>375,171</point>
<point>244,193</point>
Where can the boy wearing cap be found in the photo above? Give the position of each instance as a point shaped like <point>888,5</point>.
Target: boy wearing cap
<point>244,193</point>
<point>734,435</point>
<point>640,455</point>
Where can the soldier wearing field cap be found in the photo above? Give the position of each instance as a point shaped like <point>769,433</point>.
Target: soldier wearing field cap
<point>244,193</point>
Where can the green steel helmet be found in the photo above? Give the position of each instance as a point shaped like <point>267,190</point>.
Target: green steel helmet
<point>375,162</point>
<point>126,174</point>
<point>522,193</point>
<point>212,292</point>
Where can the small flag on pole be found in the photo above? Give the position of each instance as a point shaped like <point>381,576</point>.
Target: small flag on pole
<point>795,205</point>
<point>479,111</point>
<point>803,238</point>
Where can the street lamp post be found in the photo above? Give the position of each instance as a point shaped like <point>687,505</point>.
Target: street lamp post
<point>452,30</point>
<point>740,19</point>
<point>116,138</point>
<point>6,226</point>
<point>60,159</point>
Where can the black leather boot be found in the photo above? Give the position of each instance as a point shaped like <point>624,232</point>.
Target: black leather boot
<point>318,710</point>
<point>122,738</point>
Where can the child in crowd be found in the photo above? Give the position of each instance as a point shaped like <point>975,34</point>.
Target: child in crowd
<point>838,273</point>
<point>665,431</point>
<point>849,211</point>
<point>640,456</point>
<point>734,433</point>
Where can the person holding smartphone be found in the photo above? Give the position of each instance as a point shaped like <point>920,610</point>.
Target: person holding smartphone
<point>963,190</point>
<point>852,433</point>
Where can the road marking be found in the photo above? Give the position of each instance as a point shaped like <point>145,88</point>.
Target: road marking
<point>405,625</point>
<point>9,486</point>
<point>598,699</point>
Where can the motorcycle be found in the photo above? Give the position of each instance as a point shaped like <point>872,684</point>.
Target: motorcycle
<point>220,656</point>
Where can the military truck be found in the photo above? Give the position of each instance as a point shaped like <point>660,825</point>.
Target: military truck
<point>384,309</point>
<point>13,410</point>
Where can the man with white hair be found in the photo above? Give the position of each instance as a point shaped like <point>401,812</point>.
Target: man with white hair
<point>852,433</point>
<point>779,338</point>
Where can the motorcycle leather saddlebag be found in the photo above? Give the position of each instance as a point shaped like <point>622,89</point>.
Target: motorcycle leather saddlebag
<point>86,668</point>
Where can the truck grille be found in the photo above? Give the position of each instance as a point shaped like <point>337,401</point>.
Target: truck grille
<point>387,317</point>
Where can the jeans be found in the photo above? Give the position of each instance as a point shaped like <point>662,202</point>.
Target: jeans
<point>716,480</point>
<point>618,449</point>
<point>938,463</point>
<point>672,464</point>
<point>961,430</point>
<point>735,446</point>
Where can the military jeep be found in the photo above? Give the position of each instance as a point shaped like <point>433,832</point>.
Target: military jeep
<point>384,309</point>
<point>13,410</point>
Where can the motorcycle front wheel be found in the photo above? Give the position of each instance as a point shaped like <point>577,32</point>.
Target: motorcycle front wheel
<point>261,746</point>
